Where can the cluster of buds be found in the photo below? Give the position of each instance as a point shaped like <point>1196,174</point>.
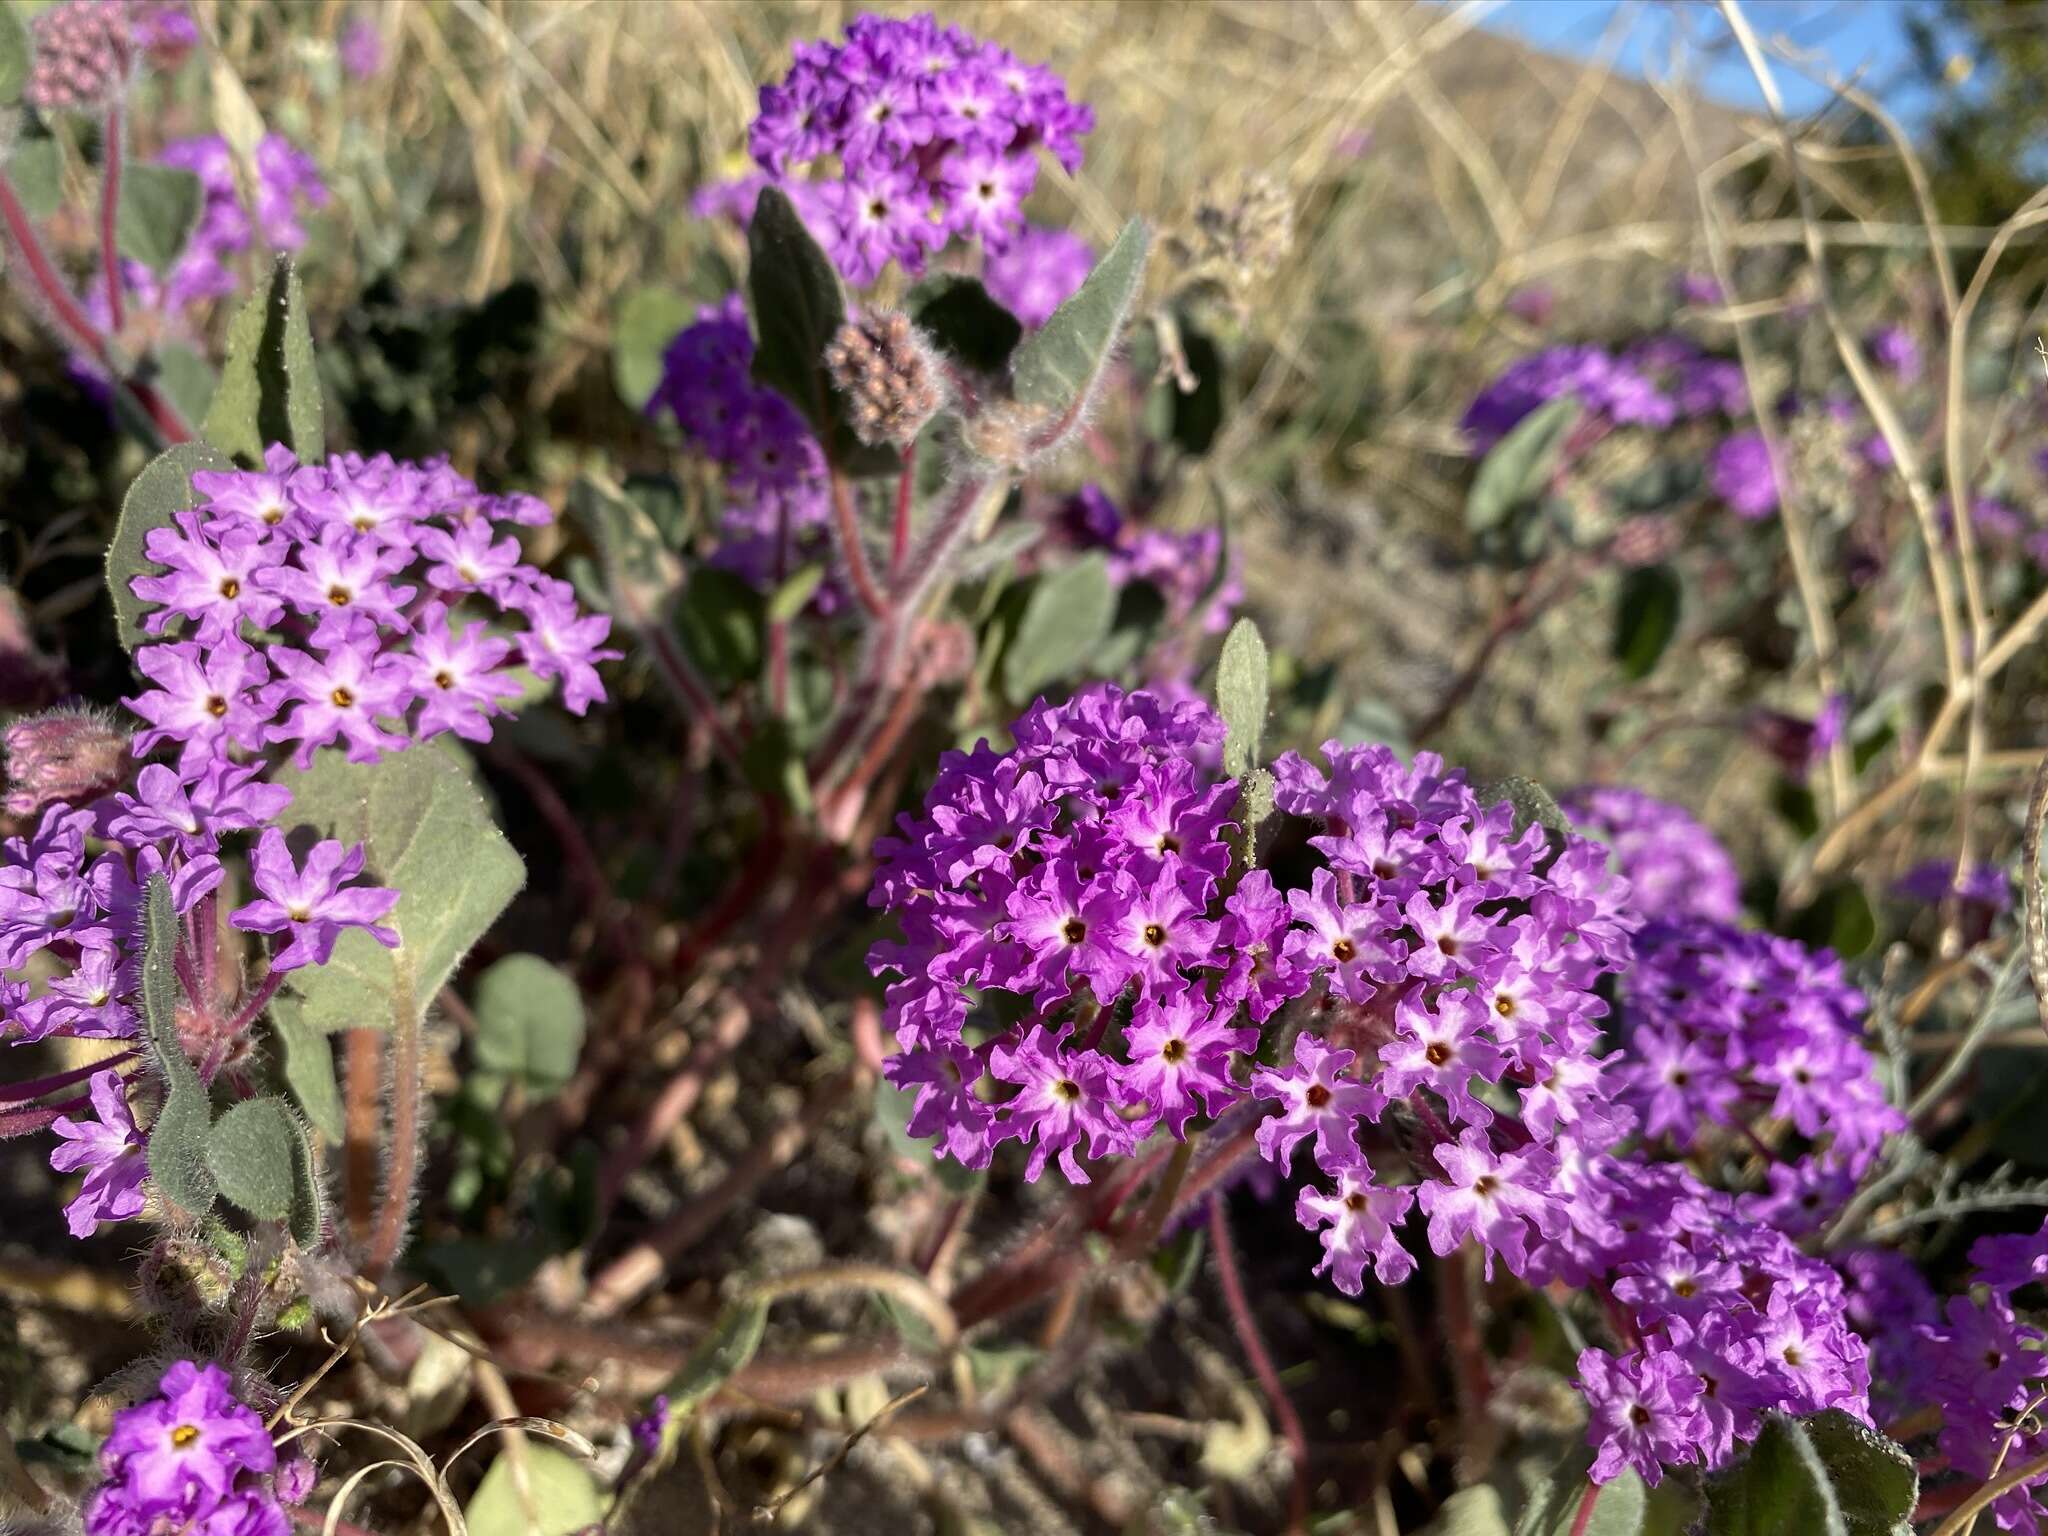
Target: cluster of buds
<point>889,374</point>
<point>1234,239</point>
<point>73,755</point>
<point>82,52</point>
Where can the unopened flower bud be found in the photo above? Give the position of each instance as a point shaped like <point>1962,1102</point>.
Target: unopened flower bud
<point>1009,433</point>
<point>295,1479</point>
<point>82,48</point>
<point>889,374</point>
<point>74,755</point>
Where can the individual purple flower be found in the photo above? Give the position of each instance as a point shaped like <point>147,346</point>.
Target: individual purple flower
<point>110,1149</point>
<point>339,694</point>
<point>1361,1221</point>
<point>341,583</point>
<point>563,643</point>
<point>1316,1101</point>
<point>1065,1098</point>
<point>308,903</point>
<point>1896,352</point>
<point>946,1110</point>
<point>458,674</point>
<point>190,1458</point>
<point>1180,1049</point>
<point>362,47</point>
<point>206,698</point>
<point>1645,1412</point>
<point>1498,1199</point>
<point>1741,474</point>
<point>211,580</point>
<point>1037,272</point>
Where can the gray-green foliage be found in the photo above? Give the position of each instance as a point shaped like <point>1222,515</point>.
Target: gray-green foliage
<point>178,1164</point>
<point>306,1061</point>
<point>1057,366</point>
<point>560,1498</point>
<point>1242,676</point>
<point>794,295</point>
<point>530,1022</point>
<point>1519,466</point>
<point>159,493</point>
<point>261,1160</point>
<point>1066,619</point>
<point>153,219</point>
<point>269,390</point>
<point>426,833</point>
<point>646,319</point>
<point>17,54</point>
<point>1646,613</point>
<point>1825,1474</point>
<point>731,1345</point>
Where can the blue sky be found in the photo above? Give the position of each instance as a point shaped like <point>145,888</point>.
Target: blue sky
<point>1866,35</point>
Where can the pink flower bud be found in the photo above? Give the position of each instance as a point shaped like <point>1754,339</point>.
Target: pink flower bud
<point>82,51</point>
<point>74,755</point>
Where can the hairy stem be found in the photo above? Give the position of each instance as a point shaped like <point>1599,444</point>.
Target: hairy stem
<point>364,1070</point>
<point>846,528</point>
<point>1253,1344</point>
<point>1584,1517</point>
<point>403,1173</point>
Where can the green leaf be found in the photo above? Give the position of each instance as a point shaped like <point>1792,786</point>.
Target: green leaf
<point>1839,918</point>
<point>530,1023</point>
<point>645,322</point>
<point>1242,674</point>
<point>1781,1486</point>
<point>35,169</point>
<point>794,295</point>
<point>185,379</point>
<point>1617,1512</point>
<point>17,54</point>
<point>306,1061</point>
<point>163,489</point>
<point>159,205</point>
<point>1518,467</point>
<point>1532,802</point>
<point>178,1136</point>
<point>1066,618</point>
<point>965,322</point>
<point>1475,1511</point>
<point>427,834</point>
<point>479,1269</point>
<point>719,621</point>
<point>726,1351</point>
<point>641,572</point>
<point>1875,1480</point>
<point>561,1491</point>
<point>1645,618</point>
<point>1057,366</point>
<point>787,600</point>
<point>252,1155</point>
<point>269,389</point>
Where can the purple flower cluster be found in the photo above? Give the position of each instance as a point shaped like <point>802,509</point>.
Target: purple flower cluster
<point>1675,867</point>
<point>391,586</point>
<point>1936,880</point>
<point>1607,386</point>
<point>930,134</point>
<point>1741,475</point>
<point>192,1458</point>
<point>1980,1358</point>
<point>1726,1026</point>
<point>1725,1318</point>
<point>778,513</point>
<point>1037,272</point>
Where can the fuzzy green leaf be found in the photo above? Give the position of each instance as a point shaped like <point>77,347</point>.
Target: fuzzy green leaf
<point>1242,674</point>
<point>643,325</point>
<point>726,1351</point>
<point>427,834</point>
<point>160,492</point>
<point>562,1489</point>
<point>17,54</point>
<point>1065,621</point>
<point>787,600</point>
<point>1646,618</point>
<point>269,389</point>
<point>1057,366</point>
<point>794,295</point>
<point>185,379</point>
<point>306,1061</point>
<point>1532,803</point>
<point>35,169</point>
<point>178,1137</point>
<point>1874,1478</point>
<point>252,1157</point>
<point>1780,1486</point>
<point>641,572</point>
<point>159,205</point>
<point>1519,466</point>
<point>530,1023</point>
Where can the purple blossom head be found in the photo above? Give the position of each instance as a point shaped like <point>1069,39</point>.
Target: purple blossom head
<point>83,52</point>
<point>1675,867</point>
<point>1037,272</point>
<point>1741,475</point>
<point>930,133</point>
<point>191,1458</point>
<point>1609,388</point>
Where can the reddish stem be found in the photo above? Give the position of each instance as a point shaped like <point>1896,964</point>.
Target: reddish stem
<point>110,205</point>
<point>906,493</point>
<point>36,1087</point>
<point>1584,1517</point>
<point>846,524</point>
<point>1254,1346</point>
<point>257,1003</point>
<point>21,1122</point>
